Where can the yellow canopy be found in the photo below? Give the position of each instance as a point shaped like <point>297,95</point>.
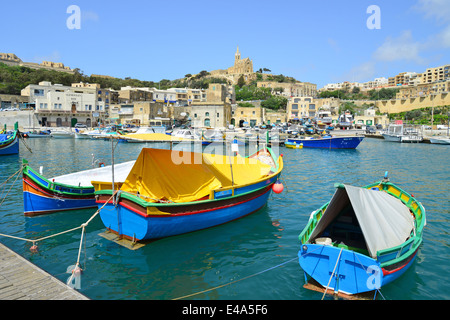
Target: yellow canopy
<point>160,174</point>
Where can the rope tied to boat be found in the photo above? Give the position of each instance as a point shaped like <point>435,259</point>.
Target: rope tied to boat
<point>34,248</point>
<point>18,173</point>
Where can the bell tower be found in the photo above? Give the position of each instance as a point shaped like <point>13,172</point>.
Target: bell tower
<point>237,57</point>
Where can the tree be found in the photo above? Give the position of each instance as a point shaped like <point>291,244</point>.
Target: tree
<point>241,81</point>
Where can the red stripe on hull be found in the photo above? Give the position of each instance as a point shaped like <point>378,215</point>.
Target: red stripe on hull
<point>189,213</point>
<point>405,263</point>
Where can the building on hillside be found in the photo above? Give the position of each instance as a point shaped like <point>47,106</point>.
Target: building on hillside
<point>290,89</point>
<point>241,68</point>
<point>11,59</point>
<point>57,105</point>
<point>423,90</point>
<point>441,73</point>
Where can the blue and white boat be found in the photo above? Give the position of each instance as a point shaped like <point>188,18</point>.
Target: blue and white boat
<point>327,142</point>
<point>362,239</point>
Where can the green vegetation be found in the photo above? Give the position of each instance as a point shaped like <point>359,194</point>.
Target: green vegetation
<point>356,94</point>
<point>14,78</point>
<point>423,116</point>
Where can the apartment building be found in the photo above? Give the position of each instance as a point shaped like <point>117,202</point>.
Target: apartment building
<point>436,74</point>
<point>301,107</point>
<point>57,105</point>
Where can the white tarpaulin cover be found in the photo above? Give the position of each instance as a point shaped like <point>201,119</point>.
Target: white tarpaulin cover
<point>384,220</point>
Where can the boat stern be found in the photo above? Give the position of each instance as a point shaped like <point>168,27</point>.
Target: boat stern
<point>340,270</point>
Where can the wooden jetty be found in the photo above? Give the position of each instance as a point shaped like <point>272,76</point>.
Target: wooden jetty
<point>22,280</point>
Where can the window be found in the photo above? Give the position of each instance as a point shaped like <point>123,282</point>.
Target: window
<point>195,115</point>
<point>206,114</point>
<point>218,114</point>
<point>39,92</point>
<point>207,122</point>
<point>295,107</point>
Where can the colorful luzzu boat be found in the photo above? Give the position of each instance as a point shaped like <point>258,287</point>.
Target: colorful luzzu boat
<point>9,142</point>
<point>361,240</point>
<point>163,197</point>
<point>67,192</point>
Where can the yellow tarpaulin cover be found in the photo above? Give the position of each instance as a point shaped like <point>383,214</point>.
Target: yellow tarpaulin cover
<point>187,176</point>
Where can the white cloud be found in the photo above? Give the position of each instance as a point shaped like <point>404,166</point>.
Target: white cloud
<point>434,9</point>
<point>401,48</point>
<point>362,72</point>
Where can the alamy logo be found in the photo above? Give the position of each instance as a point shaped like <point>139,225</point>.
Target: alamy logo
<point>374,20</point>
<point>374,280</point>
<point>74,20</point>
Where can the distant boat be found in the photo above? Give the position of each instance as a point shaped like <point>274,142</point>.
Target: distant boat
<point>361,240</point>
<point>345,120</point>
<point>66,192</point>
<point>162,198</point>
<point>62,134</point>
<point>440,140</point>
<point>399,133</point>
<point>328,142</point>
<point>38,134</point>
<point>293,145</point>
<point>9,142</point>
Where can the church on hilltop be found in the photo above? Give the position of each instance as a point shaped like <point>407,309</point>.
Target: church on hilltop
<point>241,67</point>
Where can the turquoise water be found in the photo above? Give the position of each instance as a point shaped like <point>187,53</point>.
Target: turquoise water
<point>256,254</point>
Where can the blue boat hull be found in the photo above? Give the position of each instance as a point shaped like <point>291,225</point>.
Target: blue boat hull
<point>329,142</point>
<point>36,204</point>
<point>125,220</point>
<point>354,273</point>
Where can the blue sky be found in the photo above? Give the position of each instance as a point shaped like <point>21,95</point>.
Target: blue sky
<point>320,41</point>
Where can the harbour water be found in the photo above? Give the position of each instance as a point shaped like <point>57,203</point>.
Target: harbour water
<point>252,258</point>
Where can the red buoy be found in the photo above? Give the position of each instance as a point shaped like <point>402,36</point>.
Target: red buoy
<point>277,187</point>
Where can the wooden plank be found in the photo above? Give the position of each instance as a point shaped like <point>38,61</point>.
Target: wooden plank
<point>22,280</point>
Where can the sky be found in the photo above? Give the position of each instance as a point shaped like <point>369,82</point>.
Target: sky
<point>320,41</point>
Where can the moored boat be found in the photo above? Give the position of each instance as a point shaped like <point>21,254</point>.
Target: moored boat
<point>293,145</point>
<point>9,142</point>
<point>66,192</point>
<point>440,140</point>
<point>164,196</point>
<point>328,142</point>
<point>363,239</point>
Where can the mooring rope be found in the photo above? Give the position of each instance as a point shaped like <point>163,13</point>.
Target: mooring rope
<point>82,226</point>
<point>332,274</point>
<point>18,172</point>
<point>235,281</point>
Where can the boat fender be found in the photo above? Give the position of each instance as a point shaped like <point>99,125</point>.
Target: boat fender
<point>101,164</point>
<point>277,187</point>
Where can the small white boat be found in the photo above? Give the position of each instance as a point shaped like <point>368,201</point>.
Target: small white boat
<point>398,133</point>
<point>440,140</point>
